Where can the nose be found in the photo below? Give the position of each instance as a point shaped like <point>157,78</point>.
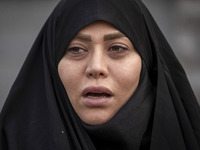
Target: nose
<point>97,67</point>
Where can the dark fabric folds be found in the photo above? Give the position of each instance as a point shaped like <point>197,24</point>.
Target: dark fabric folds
<point>162,114</point>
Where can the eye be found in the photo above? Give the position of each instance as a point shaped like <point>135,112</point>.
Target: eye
<point>118,51</point>
<point>118,48</point>
<point>75,50</point>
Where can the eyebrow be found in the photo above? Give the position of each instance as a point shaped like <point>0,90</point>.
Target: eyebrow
<point>84,37</point>
<point>113,36</point>
<point>107,37</point>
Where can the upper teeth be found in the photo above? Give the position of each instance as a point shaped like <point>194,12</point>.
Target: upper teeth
<point>97,94</point>
<point>90,96</point>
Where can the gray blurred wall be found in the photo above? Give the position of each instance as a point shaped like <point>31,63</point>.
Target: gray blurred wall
<point>21,21</point>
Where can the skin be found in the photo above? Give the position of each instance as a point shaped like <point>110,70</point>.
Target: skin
<point>99,56</point>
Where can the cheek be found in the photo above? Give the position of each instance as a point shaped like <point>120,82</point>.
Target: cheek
<point>70,76</point>
<point>127,74</point>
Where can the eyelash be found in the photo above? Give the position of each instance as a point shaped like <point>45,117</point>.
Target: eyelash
<point>113,48</point>
<point>113,51</point>
<point>75,49</point>
<point>118,47</point>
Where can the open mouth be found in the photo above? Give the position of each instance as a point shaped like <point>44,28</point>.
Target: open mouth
<point>97,92</point>
<point>97,95</point>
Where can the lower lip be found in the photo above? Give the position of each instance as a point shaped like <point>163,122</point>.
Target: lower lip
<point>96,102</point>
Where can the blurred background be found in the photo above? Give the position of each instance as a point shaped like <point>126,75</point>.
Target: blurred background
<point>21,21</point>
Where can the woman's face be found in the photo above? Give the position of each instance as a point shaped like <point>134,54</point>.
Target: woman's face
<point>100,71</point>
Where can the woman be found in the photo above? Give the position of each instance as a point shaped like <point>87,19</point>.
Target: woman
<point>100,75</point>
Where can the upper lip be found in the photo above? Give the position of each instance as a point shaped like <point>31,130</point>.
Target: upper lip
<point>96,89</point>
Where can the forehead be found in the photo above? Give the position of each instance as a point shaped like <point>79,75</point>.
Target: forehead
<point>98,26</point>
<point>99,30</point>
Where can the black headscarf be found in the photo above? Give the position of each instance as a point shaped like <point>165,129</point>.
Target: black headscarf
<point>162,114</point>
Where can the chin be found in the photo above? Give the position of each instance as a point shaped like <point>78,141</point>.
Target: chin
<point>96,120</point>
